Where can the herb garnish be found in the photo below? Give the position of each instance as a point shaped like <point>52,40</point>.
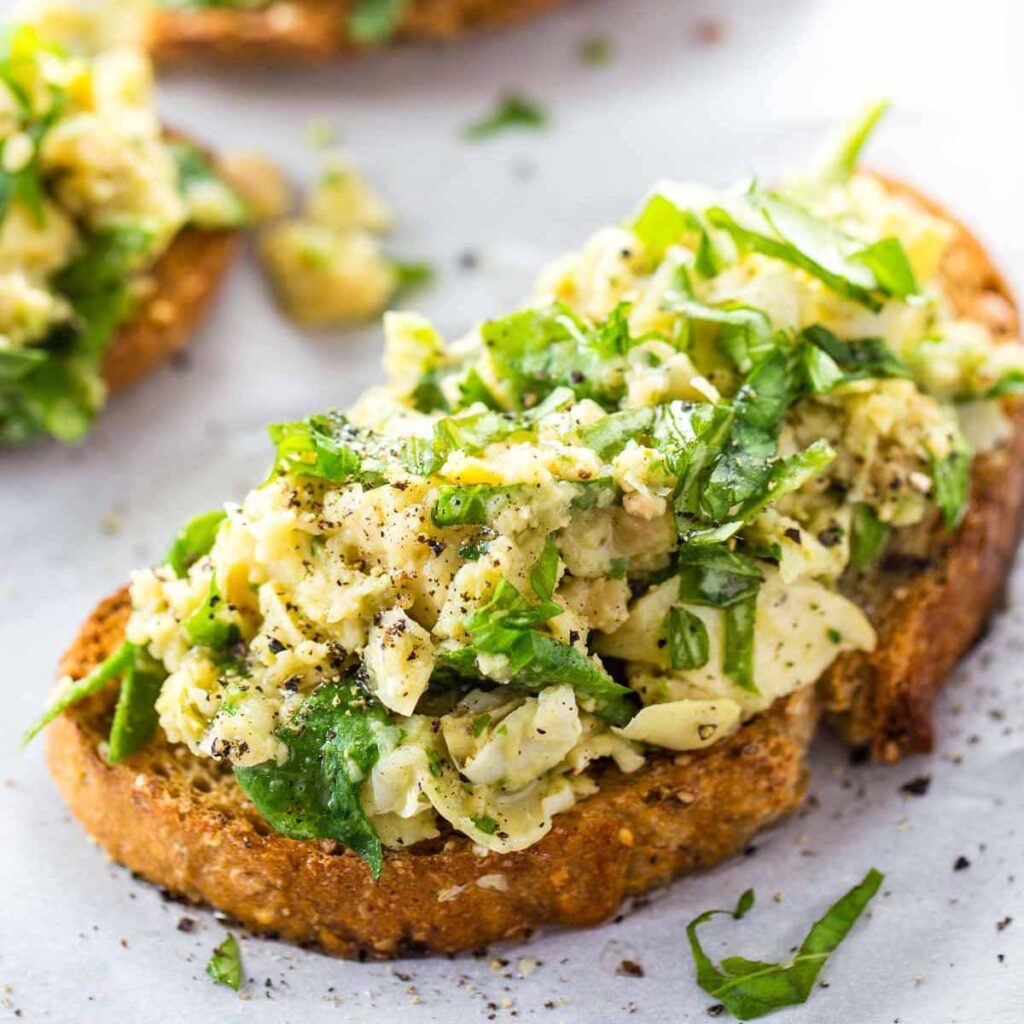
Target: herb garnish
<point>333,742</point>
<point>752,988</point>
<point>225,966</point>
<point>513,110</point>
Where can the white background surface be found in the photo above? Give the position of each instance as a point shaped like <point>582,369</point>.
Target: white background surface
<point>80,941</point>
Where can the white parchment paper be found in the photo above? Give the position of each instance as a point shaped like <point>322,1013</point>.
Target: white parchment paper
<point>705,90</point>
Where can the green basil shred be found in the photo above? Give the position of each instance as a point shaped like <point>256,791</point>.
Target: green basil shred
<point>750,989</point>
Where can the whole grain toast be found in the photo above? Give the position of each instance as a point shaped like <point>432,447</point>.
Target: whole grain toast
<point>316,30</point>
<point>185,824</point>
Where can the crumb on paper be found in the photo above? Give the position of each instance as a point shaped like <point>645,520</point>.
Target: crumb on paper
<point>710,31</point>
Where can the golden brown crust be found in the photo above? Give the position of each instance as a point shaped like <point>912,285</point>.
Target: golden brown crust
<point>183,824</point>
<point>316,30</point>
<point>180,286</point>
<point>929,613</point>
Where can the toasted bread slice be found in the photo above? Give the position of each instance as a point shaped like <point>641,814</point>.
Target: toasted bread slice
<point>182,283</point>
<point>185,824</point>
<point>931,597</point>
<point>316,30</point>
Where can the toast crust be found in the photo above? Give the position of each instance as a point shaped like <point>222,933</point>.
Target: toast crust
<point>177,292</point>
<point>186,825</point>
<point>928,611</point>
<point>314,30</point>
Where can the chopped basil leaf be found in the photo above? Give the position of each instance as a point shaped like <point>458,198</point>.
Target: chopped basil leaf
<point>752,988</point>
<point>618,568</point>
<point>790,474</point>
<point>427,395</point>
<point>888,261</point>
<point>743,469</point>
<point>333,743</point>
<point>513,110</point>
<point>194,540</point>
<point>135,717</point>
<point>716,576</point>
<point>225,966</point>
<point>951,482</point>
<point>744,334</point>
<point>213,624</point>
<point>785,231</point>
<point>485,823</point>
<point>687,639</point>
<point>868,536</point>
<point>506,611</point>
<point>597,493</point>
<point>375,21</point>
<point>480,723</point>
<point>537,351</point>
<point>544,575</point>
<point>661,223</point>
<point>838,160</point>
<point>475,505</point>
<point>610,435</point>
<point>412,273</point>
<point>1011,383</point>
<point>856,360</point>
<point>324,446</point>
<point>738,658</point>
<point>505,625</point>
<point>473,552</point>
<point>473,389</point>
<point>113,665</point>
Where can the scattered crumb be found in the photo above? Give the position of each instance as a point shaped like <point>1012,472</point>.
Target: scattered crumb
<point>918,786</point>
<point>527,966</point>
<point>709,31</point>
<point>630,968</point>
<point>961,863</point>
<point>596,51</point>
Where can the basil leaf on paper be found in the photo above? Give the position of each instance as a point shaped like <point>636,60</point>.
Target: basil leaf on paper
<point>750,989</point>
<point>513,110</point>
<point>225,966</point>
